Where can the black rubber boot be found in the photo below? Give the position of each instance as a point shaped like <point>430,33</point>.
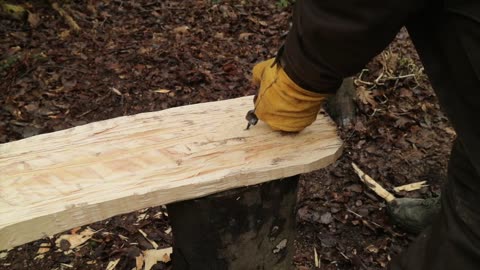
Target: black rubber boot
<point>414,215</point>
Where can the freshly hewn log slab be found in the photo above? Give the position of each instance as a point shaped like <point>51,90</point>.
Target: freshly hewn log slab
<point>53,182</point>
<point>244,228</point>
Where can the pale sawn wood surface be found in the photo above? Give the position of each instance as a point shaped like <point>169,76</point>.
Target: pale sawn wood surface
<point>53,182</point>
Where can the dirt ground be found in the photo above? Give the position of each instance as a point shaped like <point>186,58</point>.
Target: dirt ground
<point>148,55</point>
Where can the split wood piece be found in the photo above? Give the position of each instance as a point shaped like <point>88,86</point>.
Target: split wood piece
<point>244,228</point>
<point>54,182</point>
<point>411,187</point>
<point>373,185</point>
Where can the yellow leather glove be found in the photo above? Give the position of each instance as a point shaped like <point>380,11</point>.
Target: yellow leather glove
<point>281,103</point>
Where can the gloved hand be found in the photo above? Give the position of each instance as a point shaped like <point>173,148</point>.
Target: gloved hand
<point>280,102</point>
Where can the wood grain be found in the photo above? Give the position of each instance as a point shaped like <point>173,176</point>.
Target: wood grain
<point>53,182</point>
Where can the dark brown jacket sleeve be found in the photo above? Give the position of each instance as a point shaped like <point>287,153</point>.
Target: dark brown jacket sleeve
<point>333,39</point>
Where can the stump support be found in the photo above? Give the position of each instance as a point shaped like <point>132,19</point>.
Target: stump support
<point>244,228</point>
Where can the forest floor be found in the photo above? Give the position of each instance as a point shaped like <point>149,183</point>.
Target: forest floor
<point>148,55</point>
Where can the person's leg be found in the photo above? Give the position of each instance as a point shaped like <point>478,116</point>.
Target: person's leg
<point>448,42</point>
<point>453,241</point>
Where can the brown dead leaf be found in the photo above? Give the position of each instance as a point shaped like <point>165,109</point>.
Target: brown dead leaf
<point>181,29</point>
<point>244,36</point>
<point>219,35</point>
<point>139,261</point>
<point>64,34</point>
<point>401,122</point>
<point>152,256</point>
<point>33,20</point>
<point>366,96</point>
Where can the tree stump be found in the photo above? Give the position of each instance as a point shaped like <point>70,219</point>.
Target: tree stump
<point>241,229</point>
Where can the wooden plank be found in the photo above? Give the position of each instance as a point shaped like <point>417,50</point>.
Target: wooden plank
<point>57,181</point>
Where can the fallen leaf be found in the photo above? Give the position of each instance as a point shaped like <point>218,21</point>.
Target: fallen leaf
<point>75,240</point>
<point>181,29</point>
<point>33,20</point>
<point>112,264</point>
<point>366,96</point>
<point>372,249</point>
<point>244,36</point>
<point>404,92</point>
<point>44,248</point>
<point>139,261</point>
<point>401,122</point>
<point>64,34</point>
<point>326,218</point>
<point>152,256</point>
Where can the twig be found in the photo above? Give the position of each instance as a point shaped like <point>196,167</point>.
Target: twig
<point>361,217</point>
<point>373,185</point>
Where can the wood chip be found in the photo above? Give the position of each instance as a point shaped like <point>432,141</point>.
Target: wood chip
<point>152,256</point>
<point>44,248</point>
<point>3,255</point>
<point>373,185</point>
<point>162,91</point>
<point>116,91</point>
<point>112,264</point>
<point>141,217</point>
<point>411,187</point>
<point>317,261</point>
<point>75,240</point>
<point>155,245</point>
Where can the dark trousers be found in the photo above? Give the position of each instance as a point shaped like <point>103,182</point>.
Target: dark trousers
<point>448,42</point>
<point>453,241</point>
